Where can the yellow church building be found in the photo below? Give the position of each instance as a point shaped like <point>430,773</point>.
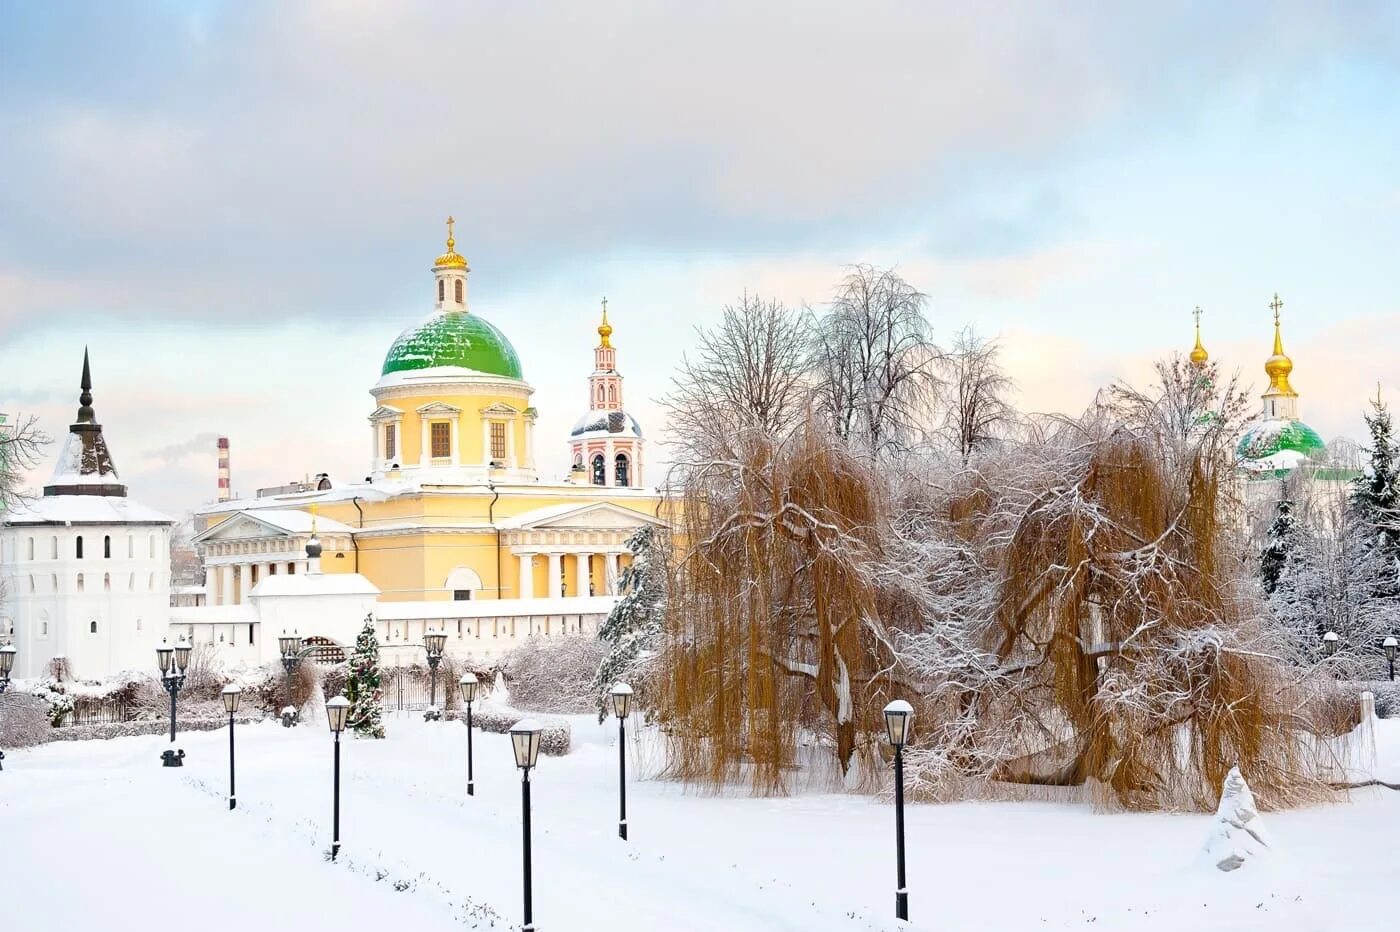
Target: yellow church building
<point>452,526</point>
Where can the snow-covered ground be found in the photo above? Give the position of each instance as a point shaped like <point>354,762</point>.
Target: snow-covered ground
<point>98,835</point>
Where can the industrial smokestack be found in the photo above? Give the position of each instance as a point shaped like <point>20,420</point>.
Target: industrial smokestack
<point>225,493</point>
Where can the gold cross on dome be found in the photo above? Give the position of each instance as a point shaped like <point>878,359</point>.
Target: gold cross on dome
<point>1277,305</point>
<point>1197,314</point>
<point>605,305</point>
<point>450,221</point>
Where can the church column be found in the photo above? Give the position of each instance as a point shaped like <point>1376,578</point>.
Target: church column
<point>529,443</point>
<point>425,452</point>
<point>609,464</point>
<point>611,583</point>
<point>485,441</point>
<point>226,584</point>
<point>582,574</point>
<point>455,446</point>
<point>510,443</point>
<point>554,577</point>
<point>527,575</point>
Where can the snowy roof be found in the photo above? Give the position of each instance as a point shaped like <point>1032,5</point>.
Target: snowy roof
<point>212,614</point>
<point>299,584</point>
<point>1271,436</point>
<point>597,423</point>
<point>84,509</point>
<point>493,608</point>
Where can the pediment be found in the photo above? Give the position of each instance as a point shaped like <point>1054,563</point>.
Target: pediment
<point>597,516</point>
<point>501,409</point>
<point>440,409</point>
<point>241,527</point>
<point>386,413</point>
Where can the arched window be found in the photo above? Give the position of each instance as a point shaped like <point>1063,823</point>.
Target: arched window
<point>600,476</point>
<point>459,291</point>
<point>106,582</point>
<point>578,460</point>
<point>32,586</point>
<point>92,627</point>
<point>151,583</point>
<point>80,582</point>
<point>54,554</point>
<point>152,554</point>
<point>79,549</point>
<point>130,546</point>
<point>53,578</point>
<point>107,547</point>
<point>31,548</point>
<point>600,394</point>
<point>442,290</point>
<point>623,473</point>
<point>138,624</point>
<point>612,393</point>
<point>131,583</point>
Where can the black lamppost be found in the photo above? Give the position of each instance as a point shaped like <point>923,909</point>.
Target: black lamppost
<point>290,646</point>
<point>1390,645</point>
<point>1329,643</point>
<point>174,661</point>
<point>468,685</point>
<point>897,715</point>
<point>525,740</point>
<point>433,643</point>
<point>231,695</point>
<point>337,710</point>
<point>621,695</point>
<point>7,663</point>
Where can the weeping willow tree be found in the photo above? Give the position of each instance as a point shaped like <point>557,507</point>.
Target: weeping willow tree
<point>774,633</point>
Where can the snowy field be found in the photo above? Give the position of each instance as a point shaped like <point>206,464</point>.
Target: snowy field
<point>97,835</point>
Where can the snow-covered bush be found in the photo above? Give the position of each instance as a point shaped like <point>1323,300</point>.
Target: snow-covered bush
<point>553,674</point>
<point>25,720</point>
<point>555,738</point>
<point>1237,834</point>
<point>60,704</point>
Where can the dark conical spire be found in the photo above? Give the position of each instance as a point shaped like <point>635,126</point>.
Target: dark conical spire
<point>84,464</point>
<point>85,412</point>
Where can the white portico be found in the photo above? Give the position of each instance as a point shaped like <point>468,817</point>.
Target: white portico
<point>588,541</point>
<point>257,545</point>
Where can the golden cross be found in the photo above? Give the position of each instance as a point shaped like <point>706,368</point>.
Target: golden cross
<point>1277,305</point>
<point>605,306</point>
<point>1197,314</point>
<point>450,221</point>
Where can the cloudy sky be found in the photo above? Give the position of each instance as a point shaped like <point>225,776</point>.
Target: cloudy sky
<point>235,204</point>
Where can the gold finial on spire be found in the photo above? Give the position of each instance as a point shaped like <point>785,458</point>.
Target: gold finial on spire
<point>1278,365</point>
<point>605,328</point>
<point>450,259</point>
<point>1199,356</point>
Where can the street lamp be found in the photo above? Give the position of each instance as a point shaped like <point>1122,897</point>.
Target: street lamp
<point>897,715</point>
<point>468,685</point>
<point>231,695</point>
<point>337,711</point>
<point>290,647</point>
<point>1329,643</point>
<point>433,642</point>
<point>525,740</point>
<point>621,695</point>
<point>173,661</point>
<point>7,663</point>
<point>1390,645</point>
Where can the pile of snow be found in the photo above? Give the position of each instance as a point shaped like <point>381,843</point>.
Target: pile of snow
<point>1237,834</point>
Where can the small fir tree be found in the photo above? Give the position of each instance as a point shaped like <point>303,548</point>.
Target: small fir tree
<point>1375,496</point>
<point>1283,537</point>
<point>362,685</point>
<point>633,628</point>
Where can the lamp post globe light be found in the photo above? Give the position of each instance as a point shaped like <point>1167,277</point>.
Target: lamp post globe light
<point>434,642</point>
<point>337,711</point>
<point>7,663</point>
<point>525,741</point>
<point>289,645</point>
<point>1390,644</point>
<point>468,684</point>
<point>621,696</point>
<point>897,716</point>
<point>1329,643</point>
<point>173,662</point>
<point>231,695</point>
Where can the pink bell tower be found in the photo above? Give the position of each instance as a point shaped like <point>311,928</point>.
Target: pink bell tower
<point>606,443</point>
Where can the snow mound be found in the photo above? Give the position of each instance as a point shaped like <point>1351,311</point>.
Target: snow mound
<point>1237,833</point>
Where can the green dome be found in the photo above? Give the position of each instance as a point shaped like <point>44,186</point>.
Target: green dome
<point>1274,436</point>
<point>463,340</point>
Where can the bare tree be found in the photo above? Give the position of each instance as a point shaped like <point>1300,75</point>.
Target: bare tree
<point>977,409</point>
<point>20,447</point>
<point>747,376</point>
<point>873,359</point>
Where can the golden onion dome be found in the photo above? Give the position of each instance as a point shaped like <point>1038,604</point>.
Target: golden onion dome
<point>450,259</point>
<point>605,328</point>
<point>1278,366</point>
<point>1199,356</point>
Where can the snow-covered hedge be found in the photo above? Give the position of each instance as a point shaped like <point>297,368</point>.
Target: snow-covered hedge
<point>554,674</point>
<point>24,720</point>
<point>555,739</point>
<point>130,729</point>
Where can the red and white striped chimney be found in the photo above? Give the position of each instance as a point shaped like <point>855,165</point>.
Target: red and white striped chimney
<point>225,493</point>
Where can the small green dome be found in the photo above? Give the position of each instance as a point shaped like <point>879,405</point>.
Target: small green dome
<point>1274,436</point>
<point>463,340</point>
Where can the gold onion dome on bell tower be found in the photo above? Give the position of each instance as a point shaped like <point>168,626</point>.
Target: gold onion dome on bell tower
<point>1278,366</point>
<point>605,328</point>
<point>1199,356</point>
<point>450,259</point>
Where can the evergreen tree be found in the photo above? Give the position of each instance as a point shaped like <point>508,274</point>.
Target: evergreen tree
<point>366,716</point>
<point>1375,496</point>
<point>633,629</point>
<point>1283,537</point>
